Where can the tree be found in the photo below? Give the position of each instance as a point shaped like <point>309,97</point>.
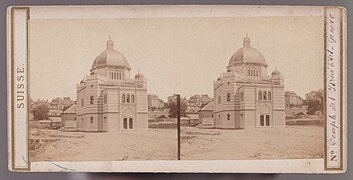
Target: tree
<point>314,100</point>
<point>40,112</point>
<point>172,104</point>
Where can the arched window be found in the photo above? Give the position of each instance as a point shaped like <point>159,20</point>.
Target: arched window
<point>228,116</point>
<point>128,98</point>
<point>269,95</point>
<point>132,99</point>
<point>112,75</point>
<point>265,96</point>
<point>123,98</point>
<point>228,97</point>
<point>91,119</point>
<point>105,98</point>
<point>257,73</point>
<point>260,95</point>
<point>91,101</point>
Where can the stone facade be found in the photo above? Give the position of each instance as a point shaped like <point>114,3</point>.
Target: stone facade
<point>245,96</point>
<point>108,98</point>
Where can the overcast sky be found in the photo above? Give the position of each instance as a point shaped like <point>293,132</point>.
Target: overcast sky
<point>176,55</point>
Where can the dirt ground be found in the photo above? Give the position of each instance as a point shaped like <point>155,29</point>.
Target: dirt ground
<point>54,145</point>
<point>291,142</point>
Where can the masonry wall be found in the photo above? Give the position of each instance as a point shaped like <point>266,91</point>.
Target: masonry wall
<point>250,119</point>
<point>221,120</point>
<point>142,122</point>
<point>85,123</point>
<point>278,106</point>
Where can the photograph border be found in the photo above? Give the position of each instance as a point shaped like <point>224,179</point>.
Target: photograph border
<point>342,89</point>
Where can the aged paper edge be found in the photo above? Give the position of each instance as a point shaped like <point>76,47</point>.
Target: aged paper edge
<point>11,68</point>
<point>40,167</point>
<point>342,91</point>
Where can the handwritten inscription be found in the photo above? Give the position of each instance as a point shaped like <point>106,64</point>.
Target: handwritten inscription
<point>332,81</point>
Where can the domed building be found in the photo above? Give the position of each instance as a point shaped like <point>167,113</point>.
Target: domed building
<point>108,98</point>
<point>245,95</point>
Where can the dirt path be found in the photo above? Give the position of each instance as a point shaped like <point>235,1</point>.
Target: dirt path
<point>161,144</point>
<point>267,143</point>
<point>110,146</point>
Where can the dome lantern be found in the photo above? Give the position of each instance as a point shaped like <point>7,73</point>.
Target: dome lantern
<point>110,44</point>
<point>246,41</point>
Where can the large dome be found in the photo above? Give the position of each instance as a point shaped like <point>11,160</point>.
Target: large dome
<point>110,57</point>
<point>247,55</point>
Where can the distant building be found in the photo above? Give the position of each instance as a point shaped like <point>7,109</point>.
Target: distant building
<point>154,102</point>
<point>300,115</point>
<point>157,115</point>
<point>54,116</point>
<point>109,98</point>
<point>206,114</point>
<point>194,119</point>
<point>292,99</point>
<point>245,95</point>
<point>61,103</point>
<point>291,112</point>
<point>68,117</point>
<point>193,116</point>
<point>192,108</point>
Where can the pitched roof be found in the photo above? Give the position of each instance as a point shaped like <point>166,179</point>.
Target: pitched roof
<point>301,113</point>
<point>71,109</point>
<point>156,113</point>
<point>55,119</point>
<point>208,107</point>
<point>193,116</point>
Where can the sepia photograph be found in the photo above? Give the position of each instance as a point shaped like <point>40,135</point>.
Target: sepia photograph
<point>244,89</point>
<point>106,90</point>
